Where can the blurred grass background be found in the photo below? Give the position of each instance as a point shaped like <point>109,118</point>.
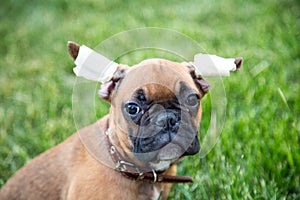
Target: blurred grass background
<point>258,155</point>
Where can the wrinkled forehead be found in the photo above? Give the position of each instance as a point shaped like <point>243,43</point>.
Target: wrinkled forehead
<point>158,78</point>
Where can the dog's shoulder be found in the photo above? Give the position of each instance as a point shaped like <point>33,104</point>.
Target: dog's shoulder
<point>47,174</point>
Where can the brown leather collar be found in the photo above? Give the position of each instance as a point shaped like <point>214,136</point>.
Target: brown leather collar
<point>132,172</point>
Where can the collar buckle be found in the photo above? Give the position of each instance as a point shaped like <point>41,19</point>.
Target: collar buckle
<point>121,165</point>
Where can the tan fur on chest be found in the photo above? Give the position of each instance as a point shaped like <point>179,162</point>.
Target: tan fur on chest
<point>68,171</point>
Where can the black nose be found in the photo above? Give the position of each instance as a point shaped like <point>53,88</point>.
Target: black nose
<point>168,121</point>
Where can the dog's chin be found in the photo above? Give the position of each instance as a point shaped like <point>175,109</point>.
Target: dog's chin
<point>162,159</point>
<point>165,158</point>
<point>162,165</point>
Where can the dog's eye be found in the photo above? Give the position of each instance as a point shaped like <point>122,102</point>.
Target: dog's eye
<point>132,108</point>
<point>193,100</point>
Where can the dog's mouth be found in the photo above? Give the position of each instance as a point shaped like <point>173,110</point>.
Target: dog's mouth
<point>163,128</point>
<point>169,154</point>
<point>164,160</point>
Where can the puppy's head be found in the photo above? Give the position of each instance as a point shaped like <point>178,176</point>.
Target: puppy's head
<point>155,110</point>
<point>156,105</point>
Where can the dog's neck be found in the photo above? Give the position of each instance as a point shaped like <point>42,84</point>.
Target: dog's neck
<point>133,172</point>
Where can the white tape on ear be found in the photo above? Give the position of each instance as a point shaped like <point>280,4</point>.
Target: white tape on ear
<point>94,66</point>
<point>211,65</point>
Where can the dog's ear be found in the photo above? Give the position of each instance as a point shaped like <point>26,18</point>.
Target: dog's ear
<point>201,84</point>
<point>73,49</point>
<point>108,87</point>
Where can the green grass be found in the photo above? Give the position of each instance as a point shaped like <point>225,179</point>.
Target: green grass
<point>258,154</point>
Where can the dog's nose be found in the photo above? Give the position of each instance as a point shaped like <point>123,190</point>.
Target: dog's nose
<point>167,121</point>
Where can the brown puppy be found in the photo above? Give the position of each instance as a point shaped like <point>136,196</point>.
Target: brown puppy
<point>130,153</point>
